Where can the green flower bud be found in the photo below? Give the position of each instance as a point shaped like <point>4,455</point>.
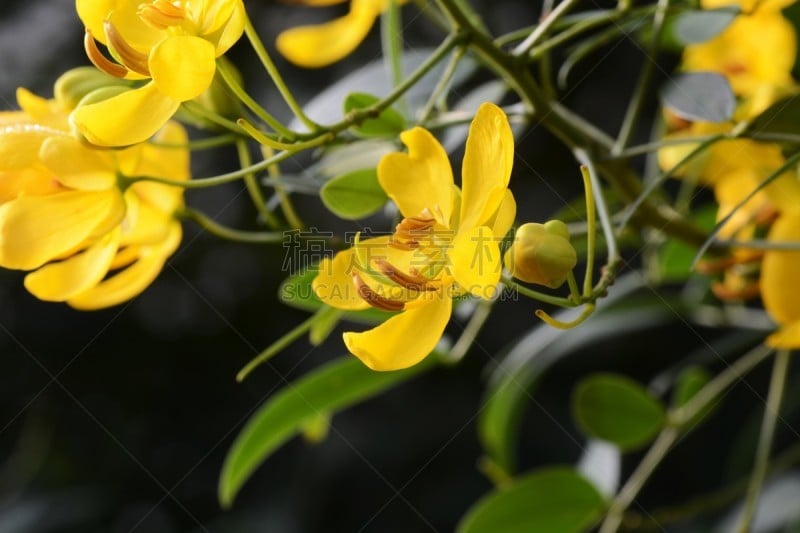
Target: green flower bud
<point>542,254</point>
<point>72,86</point>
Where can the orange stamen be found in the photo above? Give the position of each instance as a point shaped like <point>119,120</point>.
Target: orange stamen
<point>130,57</point>
<point>99,60</point>
<point>373,298</point>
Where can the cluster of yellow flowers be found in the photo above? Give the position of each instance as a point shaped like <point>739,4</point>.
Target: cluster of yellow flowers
<point>70,209</point>
<point>756,53</point>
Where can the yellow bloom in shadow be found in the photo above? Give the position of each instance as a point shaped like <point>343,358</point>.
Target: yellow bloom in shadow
<point>758,49</point>
<point>64,216</point>
<point>445,246</point>
<point>320,45</point>
<point>173,44</point>
<point>780,286</point>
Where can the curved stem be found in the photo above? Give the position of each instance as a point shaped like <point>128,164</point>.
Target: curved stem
<point>536,295</point>
<point>224,232</point>
<point>200,144</point>
<point>272,70</point>
<point>780,371</point>
<point>251,104</point>
<point>277,346</point>
<point>252,185</point>
<point>541,30</point>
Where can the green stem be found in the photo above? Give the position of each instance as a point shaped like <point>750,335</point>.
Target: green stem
<point>643,83</point>
<point>277,346</point>
<point>277,79</point>
<point>252,185</point>
<point>574,31</point>
<point>574,291</point>
<point>439,93</point>
<point>678,419</point>
<point>702,147</point>
<point>602,209</point>
<point>392,42</point>
<point>251,104</point>
<point>200,144</point>
<point>541,30</point>
<point>780,371</point>
<point>482,312</point>
<point>286,203</point>
<point>591,231</point>
<point>224,232</point>
<point>198,110</point>
<point>536,295</point>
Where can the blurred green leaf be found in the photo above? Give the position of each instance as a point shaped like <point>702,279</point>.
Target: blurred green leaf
<point>617,409</point>
<point>700,25</point>
<point>298,406</point>
<point>690,381</point>
<point>676,257</point>
<point>296,291</point>
<point>703,96</point>
<point>354,195</point>
<point>389,123</point>
<point>550,500</point>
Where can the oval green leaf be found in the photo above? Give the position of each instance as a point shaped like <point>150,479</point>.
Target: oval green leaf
<point>324,391</point>
<point>703,96</point>
<point>389,123</point>
<point>551,500</point>
<point>354,195</point>
<point>617,409</point>
<point>699,26</point>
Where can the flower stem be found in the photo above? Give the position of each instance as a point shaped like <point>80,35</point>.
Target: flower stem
<point>536,295</point>
<point>277,346</point>
<point>392,43</point>
<point>224,232</point>
<point>780,371</point>
<point>277,79</point>
<point>252,185</point>
<point>541,30</point>
<point>251,104</point>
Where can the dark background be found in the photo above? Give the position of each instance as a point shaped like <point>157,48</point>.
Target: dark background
<point>119,420</point>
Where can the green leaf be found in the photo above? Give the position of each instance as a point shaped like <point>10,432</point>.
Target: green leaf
<point>550,500</point>
<point>298,406</point>
<point>703,96</point>
<point>699,26</point>
<point>690,381</point>
<point>617,409</point>
<point>296,291</point>
<point>389,123</point>
<point>675,258</point>
<point>354,195</point>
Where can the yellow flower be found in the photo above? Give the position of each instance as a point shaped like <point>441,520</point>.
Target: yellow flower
<point>446,246</point>
<point>64,216</point>
<point>322,44</point>
<point>780,290</point>
<point>173,44</point>
<point>756,50</point>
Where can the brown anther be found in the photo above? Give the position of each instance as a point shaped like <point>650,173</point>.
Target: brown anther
<point>373,298</point>
<point>407,246</point>
<point>409,231</point>
<point>99,60</point>
<point>411,281</point>
<point>727,293</point>
<point>130,57</point>
<point>765,215</point>
<point>721,265</point>
<point>161,14</point>
<point>734,67</point>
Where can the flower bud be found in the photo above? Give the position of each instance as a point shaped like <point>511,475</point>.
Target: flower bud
<point>72,86</point>
<point>542,254</point>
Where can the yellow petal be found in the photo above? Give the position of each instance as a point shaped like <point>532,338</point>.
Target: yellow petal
<point>786,338</point>
<point>504,218</point>
<point>93,14</point>
<point>131,281</point>
<point>20,143</point>
<point>76,166</point>
<point>128,118</point>
<point>318,3</point>
<point>780,289</point>
<point>36,229</point>
<point>405,339</point>
<point>487,165</point>
<point>57,282</point>
<point>231,32</point>
<point>322,44</point>
<point>30,181</point>
<point>334,282</point>
<point>475,261</point>
<point>421,179</point>
<point>183,67</point>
